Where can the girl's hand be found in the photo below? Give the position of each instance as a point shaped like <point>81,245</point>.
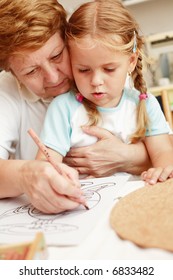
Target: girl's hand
<point>157,174</point>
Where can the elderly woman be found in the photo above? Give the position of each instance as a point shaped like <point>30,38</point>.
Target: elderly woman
<point>35,60</point>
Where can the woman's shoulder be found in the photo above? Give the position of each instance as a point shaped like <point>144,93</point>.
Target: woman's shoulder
<point>8,85</point>
<point>7,79</point>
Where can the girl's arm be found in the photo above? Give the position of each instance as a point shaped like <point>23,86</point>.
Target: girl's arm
<point>160,149</point>
<point>157,174</point>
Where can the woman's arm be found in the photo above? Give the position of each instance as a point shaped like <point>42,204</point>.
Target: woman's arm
<point>108,156</point>
<point>47,190</point>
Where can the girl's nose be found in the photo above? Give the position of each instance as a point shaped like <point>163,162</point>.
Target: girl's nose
<point>97,80</point>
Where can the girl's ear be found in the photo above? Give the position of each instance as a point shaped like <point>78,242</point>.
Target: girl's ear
<point>133,61</point>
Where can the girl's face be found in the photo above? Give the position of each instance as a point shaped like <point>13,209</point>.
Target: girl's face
<point>100,73</point>
<point>46,71</point>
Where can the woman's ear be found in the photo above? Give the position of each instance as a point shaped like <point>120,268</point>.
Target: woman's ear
<point>133,61</point>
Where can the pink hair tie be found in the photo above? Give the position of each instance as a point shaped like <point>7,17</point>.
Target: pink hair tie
<point>79,97</point>
<point>143,96</point>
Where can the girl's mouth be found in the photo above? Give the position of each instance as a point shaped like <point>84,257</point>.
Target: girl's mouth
<point>98,95</point>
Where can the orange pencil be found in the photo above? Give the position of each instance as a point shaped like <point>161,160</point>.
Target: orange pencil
<point>44,150</point>
<point>25,251</point>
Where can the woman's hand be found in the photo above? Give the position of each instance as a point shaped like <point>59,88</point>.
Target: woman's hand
<point>49,191</point>
<point>107,156</point>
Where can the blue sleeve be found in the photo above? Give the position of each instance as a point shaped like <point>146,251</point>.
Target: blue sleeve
<point>56,132</point>
<point>158,122</point>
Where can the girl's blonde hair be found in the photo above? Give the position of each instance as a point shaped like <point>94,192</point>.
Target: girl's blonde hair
<point>110,23</point>
<point>27,25</point>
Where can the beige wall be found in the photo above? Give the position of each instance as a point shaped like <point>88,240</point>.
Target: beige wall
<point>154,16</point>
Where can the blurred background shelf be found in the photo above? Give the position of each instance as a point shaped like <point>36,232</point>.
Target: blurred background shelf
<point>164,95</point>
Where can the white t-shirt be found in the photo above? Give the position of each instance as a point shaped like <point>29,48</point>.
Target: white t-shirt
<point>19,111</point>
<point>65,116</point>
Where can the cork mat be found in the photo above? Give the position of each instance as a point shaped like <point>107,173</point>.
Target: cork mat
<point>145,216</point>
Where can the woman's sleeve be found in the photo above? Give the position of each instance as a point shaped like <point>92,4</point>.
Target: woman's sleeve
<point>9,124</point>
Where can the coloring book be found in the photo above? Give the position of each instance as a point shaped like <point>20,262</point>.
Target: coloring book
<point>20,221</point>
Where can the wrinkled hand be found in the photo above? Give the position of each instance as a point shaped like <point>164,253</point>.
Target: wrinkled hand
<point>159,174</point>
<point>49,191</point>
<point>103,158</point>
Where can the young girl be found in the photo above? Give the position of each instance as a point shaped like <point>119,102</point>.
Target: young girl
<point>105,47</point>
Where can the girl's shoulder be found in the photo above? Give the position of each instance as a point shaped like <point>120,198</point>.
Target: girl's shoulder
<point>66,101</point>
<point>65,98</point>
<point>133,95</point>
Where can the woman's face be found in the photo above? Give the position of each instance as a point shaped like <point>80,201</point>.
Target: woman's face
<point>46,71</point>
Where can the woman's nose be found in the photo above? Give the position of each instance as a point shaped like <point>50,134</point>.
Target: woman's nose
<point>51,74</point>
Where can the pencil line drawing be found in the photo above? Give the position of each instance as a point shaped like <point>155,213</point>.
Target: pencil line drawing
<point>49,223</point>
<point>20,220</point>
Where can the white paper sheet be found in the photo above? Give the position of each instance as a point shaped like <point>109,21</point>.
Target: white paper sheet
<point>19,220</point>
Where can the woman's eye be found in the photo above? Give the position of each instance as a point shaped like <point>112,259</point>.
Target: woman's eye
<point>56,56</point>
<point>31,72</point>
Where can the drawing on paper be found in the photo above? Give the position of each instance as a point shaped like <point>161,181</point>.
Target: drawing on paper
<point>55,223</point>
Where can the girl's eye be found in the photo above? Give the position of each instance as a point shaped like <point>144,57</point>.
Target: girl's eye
<point>109,69</point>
<point>83,70</point>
